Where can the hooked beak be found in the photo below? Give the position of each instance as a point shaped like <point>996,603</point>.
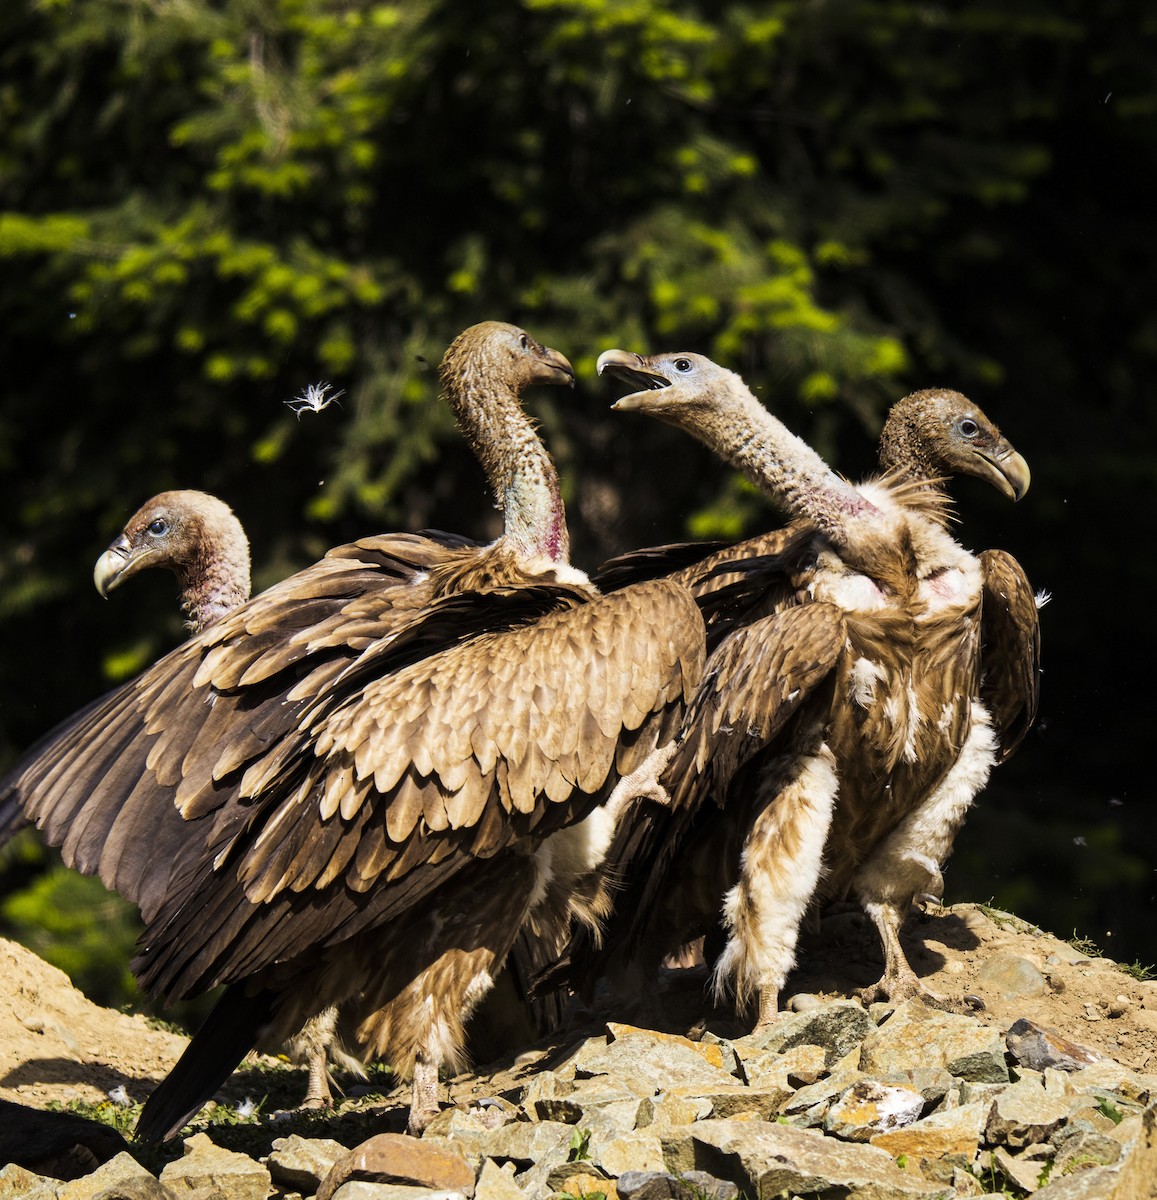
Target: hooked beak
<point>117,564</point>
<point>1006,470</point>
<point>553,367</point>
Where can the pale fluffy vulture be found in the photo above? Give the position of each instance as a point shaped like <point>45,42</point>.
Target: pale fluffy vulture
<point>923,665</point>
<point>346,787</point>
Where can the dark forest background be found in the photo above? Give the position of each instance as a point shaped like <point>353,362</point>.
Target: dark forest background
<point>208,205</point>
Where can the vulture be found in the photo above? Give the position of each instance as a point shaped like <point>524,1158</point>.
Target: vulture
<point>199,539</point>
<point>865,674</point>
<point>358,785</point>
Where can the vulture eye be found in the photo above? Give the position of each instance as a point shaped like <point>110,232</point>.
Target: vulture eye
<point>524,342</point>
<point>682,364</point>
<point>968,427</point>
<point>159,527</point>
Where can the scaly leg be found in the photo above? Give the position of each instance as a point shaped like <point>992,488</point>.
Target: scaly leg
<point>907,864</point>
<point>423,1095</point>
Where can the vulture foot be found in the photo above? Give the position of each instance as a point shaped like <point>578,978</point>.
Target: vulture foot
<point>900,986</point>
<point>769,1010</point>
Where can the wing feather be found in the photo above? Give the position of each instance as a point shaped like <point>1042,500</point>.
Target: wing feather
<point>1010,649</point>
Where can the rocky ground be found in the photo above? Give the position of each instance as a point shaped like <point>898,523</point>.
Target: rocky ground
<point>1042,1079</point>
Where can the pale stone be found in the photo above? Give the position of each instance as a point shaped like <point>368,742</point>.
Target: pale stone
<point>766,1159</point>
<point>638,1150</point>
<point>207,1165</point>
<point>1025,1113</point>
<point>838,1027</point>
<point>302,1163</point>
<point>17,1183</point>
<point>917,1036</point>
<point>730,1101</point>
<point>671,1110</point>
<point>497,1182</point>
<point>648,1064</point>
<point>788,1069</point>
<point>1097,1183</point>
<point>1024,1172</point>
<point>1012,976</point>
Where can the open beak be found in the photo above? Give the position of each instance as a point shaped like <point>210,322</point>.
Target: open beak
<point>632,369</point>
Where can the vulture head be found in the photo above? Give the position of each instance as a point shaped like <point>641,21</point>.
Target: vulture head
<point>494,350</point>
<point>685,390</point>
<point>939,432</point>
<point>192,534</point>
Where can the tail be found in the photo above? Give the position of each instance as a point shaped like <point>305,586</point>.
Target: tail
<point>230,1031</point>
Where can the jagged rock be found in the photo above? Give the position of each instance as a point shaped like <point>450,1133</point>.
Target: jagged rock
<point>18,1183</point>
<point>364,1189</point>
<point>951,1135</point>
<point>1098,1183</point>
<point>916,1036</point>
<point>59,1144</point>
<point>661,1185</point>
<point>121,1178</point>
<point>302,1163</point>
<point>870,1107</point>
<point>796,1067</point>
<point>541,1092</point>
<point>730,1101</point>
<point>1078,1148</point>
<point>1037,1047</point>
<point>397,1159</point>
<point>815,1100</point>
<point>639,1150</point>
<point>1012,976</point>
<point>839,1027</point>
<point>580,1179</point>
<point>205,1165</point>
<point>524,1143</point>
<point>649,1063</point>
<point>497,1182</point>
<point>1108,1078</point>
<point>714,1051</point>
<point>764,1159</point>
<point>671,1110</point>
<point>933,1083</point>
<point>1025,1113</point>
<point>1025,1170</point>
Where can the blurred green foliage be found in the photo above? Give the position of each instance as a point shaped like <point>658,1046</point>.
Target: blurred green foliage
<point>207,206</point>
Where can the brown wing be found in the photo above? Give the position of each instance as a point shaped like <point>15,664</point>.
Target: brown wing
<point>1010,654</point>
<point>102,785</point>
<point>452,758</point>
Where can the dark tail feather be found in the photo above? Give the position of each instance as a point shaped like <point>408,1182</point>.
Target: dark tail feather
<point>230,1031</point>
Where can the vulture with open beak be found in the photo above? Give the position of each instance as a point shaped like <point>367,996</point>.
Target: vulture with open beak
<point>923,673</point>
<point>357,785</point>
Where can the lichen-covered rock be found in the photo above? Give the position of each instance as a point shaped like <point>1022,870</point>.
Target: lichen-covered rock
<point>766,1159</point>
<point>205,1165</point>
<point>649,1063</point>
<point>396,1158</point>
<point>1037,1048</point>
<point>1025,1113</point>
<point>870,1107</point>
<point>839,1027</point>
<point>302,1163</point>
<point>18,1183</point>
<point>953,1134</point>
<point>916,1036</point>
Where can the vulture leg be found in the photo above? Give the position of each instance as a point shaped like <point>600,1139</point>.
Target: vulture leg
<point>424,1095</point>
<point>642,784</point>
<point>907,864</point>
<point>781,865</point>
<point>312,1044</point>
